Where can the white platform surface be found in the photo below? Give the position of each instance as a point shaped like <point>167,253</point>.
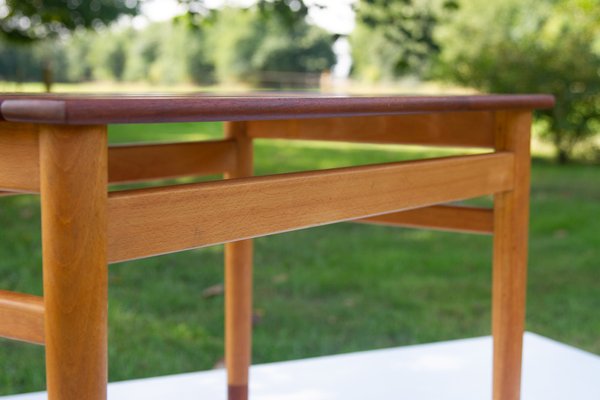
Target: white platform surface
<point>454,370</point>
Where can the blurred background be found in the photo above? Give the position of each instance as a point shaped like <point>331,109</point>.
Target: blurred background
<point>343,287</point>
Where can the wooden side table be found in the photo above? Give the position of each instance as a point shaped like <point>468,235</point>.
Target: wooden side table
<point>57,146</point>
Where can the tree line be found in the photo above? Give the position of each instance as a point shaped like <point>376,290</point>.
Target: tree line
<point>230,45</point>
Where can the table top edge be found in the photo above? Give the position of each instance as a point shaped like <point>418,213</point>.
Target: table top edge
<point>100,109</point>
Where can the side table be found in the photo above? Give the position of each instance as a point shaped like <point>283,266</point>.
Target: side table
<point>56,145</point>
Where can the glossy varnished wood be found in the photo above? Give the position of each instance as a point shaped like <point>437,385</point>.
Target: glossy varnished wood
<point>73,175</point>
<point>511,221</point>
<point>21,317</point>
<point>80,109</point>
<point>19,161</point>
<point>142,162</point>
<point>161,220</point>
<point>238,281</point>
<point>472,129</point>
<point>442,217</point>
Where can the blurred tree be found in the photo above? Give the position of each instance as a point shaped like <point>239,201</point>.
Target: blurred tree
<point>305,49</point>
<point>276,29</point>
<point>199,47</point>
<point>107,54</point>
<point>20,63</point>
<point>288,13</point>
<point>394,38</point>
<point>550,46</point>
<point>187,45</point>
<point>258,47</point>
<point>232,49</point>
<point>16,62</point>
<point>144,51</point>
<point>27,21</point>
<point>200,68</point>
<point>77,49</point>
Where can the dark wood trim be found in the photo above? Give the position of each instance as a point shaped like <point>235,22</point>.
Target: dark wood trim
<point>84,110</point>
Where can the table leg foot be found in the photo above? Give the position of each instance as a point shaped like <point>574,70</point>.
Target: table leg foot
<point>237,392</point>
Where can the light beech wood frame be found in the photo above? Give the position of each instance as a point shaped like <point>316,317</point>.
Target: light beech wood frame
<point>457,129</point>
<point>20,167</point>
<point>85,228</point>
<point>153,221</point>
<point>238,280</point>
<point>443,217</point>
<point>22,317</point>
<point>73,183</point>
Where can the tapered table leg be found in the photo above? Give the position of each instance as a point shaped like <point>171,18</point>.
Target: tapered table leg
<point>73,178</point>
<point>238,283</point>
<point>511,219</point>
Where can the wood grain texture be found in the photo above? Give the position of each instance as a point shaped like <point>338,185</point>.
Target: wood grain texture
<point>442,217</point>
<point>238,281</point>
<point>22,317</point>
<point>19,157</point>
<point>511,220</point>
<point>142,162</point>
<point>73,163</point>
<point>161,220</point>
<point>470,129</point>
<point>86,109</point>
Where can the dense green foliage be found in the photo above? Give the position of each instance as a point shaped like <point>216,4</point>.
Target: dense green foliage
<point>395,38</point>
<point>530,46</point>
<point>30,20</point>
<point>258,46</point>
<point>287,13</point>
<point>333,289</point>
<point>510,46</point>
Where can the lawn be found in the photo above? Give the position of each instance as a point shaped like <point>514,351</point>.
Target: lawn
<point>341,288</point>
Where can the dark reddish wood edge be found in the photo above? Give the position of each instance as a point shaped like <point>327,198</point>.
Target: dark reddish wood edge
<point>237,392</point>
<point>37,110</point>
<point>86,110</point>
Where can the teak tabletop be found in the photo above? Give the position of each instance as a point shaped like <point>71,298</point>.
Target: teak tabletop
<point>56,145</point>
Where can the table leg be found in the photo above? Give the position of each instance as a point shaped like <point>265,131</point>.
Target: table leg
<point>238,318</point>
<point>73,178</point>
<point>238,283</point>
<point>511,219</point>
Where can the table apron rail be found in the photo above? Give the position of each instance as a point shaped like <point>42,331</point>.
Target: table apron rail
<point>22,317</point>
<point>20,167</point>
<point>148,222</point>
<point>440,217</point>
<point>458,129</point>
<point>19,157</point>
<point>143,162</point>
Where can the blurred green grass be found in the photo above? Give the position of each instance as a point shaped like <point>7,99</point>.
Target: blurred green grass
<point>333,289</point>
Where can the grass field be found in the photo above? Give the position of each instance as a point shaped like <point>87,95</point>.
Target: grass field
<point>334,289</point>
